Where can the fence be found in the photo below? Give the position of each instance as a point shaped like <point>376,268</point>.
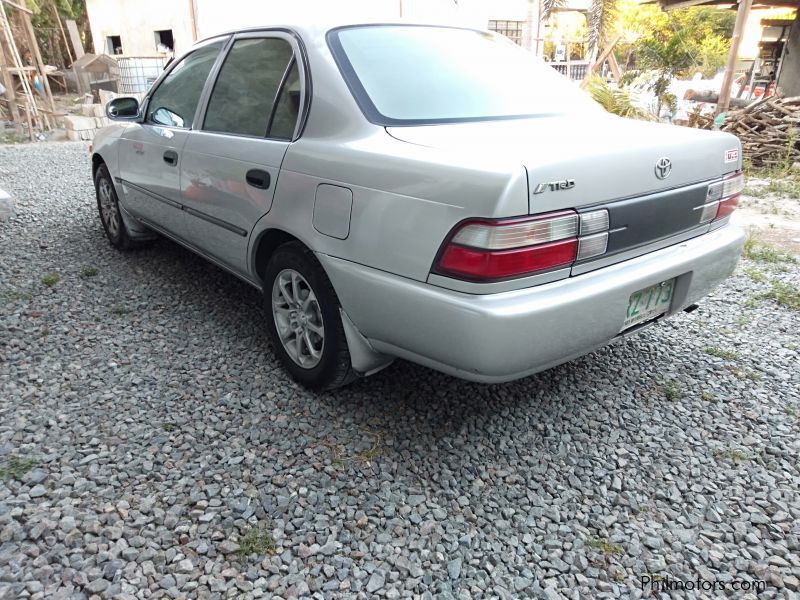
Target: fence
<point>577,68</point>
<point>138,73</point>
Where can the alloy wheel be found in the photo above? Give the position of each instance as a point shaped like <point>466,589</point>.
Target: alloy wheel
<point>109,211</point>
<point>298,318</point>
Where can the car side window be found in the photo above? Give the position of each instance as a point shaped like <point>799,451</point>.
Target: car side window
<point>288,107</point>
<point>175,99</point>
<point>248,82</point>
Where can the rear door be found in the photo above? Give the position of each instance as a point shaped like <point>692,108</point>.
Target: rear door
<point>231,162</point>
<point>150,151</point>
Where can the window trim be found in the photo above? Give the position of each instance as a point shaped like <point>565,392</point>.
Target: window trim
<point>277,98</point>
<point>368,108</point>
<point>170,67</point>
<point>298,51</point>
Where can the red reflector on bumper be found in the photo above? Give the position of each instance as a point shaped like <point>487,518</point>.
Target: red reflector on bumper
<point>486,265</point>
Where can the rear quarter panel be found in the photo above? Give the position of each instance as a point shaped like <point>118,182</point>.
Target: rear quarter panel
<point>406,198</point>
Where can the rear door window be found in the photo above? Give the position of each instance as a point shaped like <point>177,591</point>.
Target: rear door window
<point>248,87</point>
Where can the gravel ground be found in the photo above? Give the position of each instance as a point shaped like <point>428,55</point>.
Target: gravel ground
<point>151,446</point>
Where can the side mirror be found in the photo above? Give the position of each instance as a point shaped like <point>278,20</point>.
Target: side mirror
<point>122,109</point>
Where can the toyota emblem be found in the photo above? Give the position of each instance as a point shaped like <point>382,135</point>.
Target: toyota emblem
<point>663,168</point>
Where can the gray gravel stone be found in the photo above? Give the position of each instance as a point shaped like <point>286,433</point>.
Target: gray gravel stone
<point>162,431</point>
<point>376,582</point>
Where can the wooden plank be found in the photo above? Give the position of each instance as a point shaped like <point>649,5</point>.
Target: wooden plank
<point>614,66</point>
<point>63,33</point>
<point>608,48</point>
<point>75,38</point>
<point>738,30</point>
<point>31,108</point>
<point>37,54</point>
<point>8,83</point>
<point>17,6</point>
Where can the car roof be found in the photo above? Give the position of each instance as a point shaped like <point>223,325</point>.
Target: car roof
<point>319,28</point>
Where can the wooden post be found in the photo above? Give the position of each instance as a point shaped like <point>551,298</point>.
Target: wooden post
<point>193,18</point>
<point>569,63</point>
<point>727,81</point>
<point>8,83</point>
<point>37,55</point>
<point>63,33</point>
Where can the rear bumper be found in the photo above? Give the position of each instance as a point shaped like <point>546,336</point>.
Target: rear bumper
<point>500,337</point>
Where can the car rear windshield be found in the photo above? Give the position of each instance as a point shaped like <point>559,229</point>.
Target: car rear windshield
<point>402,75</point>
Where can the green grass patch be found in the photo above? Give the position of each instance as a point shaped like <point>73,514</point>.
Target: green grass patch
<point>782,186</point>
<point>745,374</point>
<point>87,271</point>
<point>785,294</point>
<point>257,540</point>
<point>51,279</point>
<point>672,389</point>
<point>720,353</point>
<point>752,302</point>
<point>14,295</point>
<point>755,274</point>
<point>12,137</point>
<point>604,546</point>
<point>760,252</point>
<point>15,467</point>
<point>733,454</point>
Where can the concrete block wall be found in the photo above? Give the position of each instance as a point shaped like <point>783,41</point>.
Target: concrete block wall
<point>92,117</point>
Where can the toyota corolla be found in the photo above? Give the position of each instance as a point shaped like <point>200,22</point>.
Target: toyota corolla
<point>430,193</point>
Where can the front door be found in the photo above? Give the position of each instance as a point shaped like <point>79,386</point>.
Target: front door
<point>230,164</point>
<point>150,151</point>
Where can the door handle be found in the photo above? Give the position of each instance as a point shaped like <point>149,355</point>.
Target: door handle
<point>171,157</point>
<point>258,179</point>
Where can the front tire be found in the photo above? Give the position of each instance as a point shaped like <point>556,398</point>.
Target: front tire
<point>108,207</point>
<point>303,319</point>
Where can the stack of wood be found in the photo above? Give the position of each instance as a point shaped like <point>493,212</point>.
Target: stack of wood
<point>769,129</point>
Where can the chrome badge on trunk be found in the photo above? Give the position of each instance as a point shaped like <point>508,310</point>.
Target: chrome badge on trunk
<point>555,186</point>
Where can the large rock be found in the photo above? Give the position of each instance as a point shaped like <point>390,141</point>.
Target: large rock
<point>79,123</point>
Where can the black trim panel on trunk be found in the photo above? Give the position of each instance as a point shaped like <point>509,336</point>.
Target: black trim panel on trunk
<point>643,220</point>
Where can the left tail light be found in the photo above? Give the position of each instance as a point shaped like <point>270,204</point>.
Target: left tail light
<point>722,198</point>
<point>491,250</point>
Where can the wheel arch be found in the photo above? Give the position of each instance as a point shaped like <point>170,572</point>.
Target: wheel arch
<point>97,160</point>
<point>265,244</point>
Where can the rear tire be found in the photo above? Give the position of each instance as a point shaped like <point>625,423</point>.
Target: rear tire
<point>108,207</point>
<point>304,321</point>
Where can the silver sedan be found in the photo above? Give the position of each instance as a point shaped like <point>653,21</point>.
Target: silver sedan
<point>430,193</point>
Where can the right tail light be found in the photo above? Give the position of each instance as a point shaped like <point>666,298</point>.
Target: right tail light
<point>722,198</point>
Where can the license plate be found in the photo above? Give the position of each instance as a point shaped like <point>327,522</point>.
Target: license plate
<point>648,303</point>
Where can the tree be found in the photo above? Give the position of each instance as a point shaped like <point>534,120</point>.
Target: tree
<point>678,43</point>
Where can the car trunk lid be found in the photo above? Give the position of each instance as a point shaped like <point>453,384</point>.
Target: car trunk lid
<point>602,162</point>
<point>607,158</point>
